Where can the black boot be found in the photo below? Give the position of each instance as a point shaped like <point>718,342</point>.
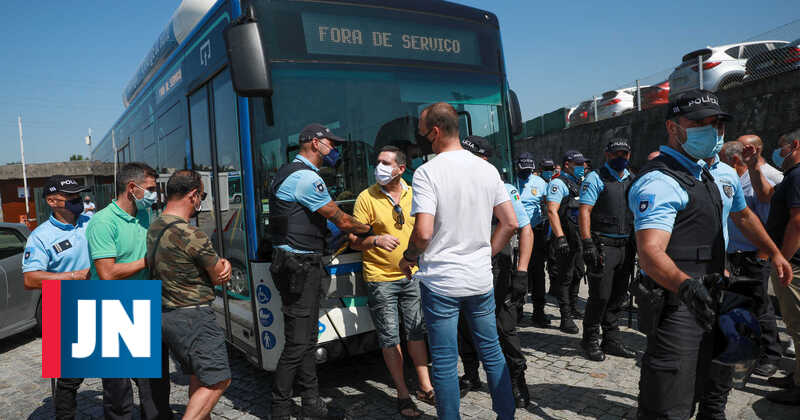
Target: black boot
<point>316,408</point>
<point>591,348</point>
<point>540,319</point>
<point>469,382</point>
<point>616,348</point>
<point>520,388</point>
<point>567,324</point>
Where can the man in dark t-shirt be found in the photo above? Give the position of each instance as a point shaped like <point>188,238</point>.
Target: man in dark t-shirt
<point>182,257</point>
<point>783,226</point>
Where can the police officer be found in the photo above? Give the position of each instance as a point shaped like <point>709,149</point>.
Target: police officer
<point>57,250</point>
<point>606,226</point>
<point>300,208</point>
<point>510,284</point>
<point>532,189</point>
<point>565,243</point>
<point>681,201</point>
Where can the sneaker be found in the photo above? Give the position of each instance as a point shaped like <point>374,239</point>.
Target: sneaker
<point>789,352</point>
<point>317,409</point>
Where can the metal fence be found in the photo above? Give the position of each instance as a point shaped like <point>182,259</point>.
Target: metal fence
<point>723,67</point>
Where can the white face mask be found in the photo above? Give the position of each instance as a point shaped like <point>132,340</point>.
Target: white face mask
<point>383,174</point>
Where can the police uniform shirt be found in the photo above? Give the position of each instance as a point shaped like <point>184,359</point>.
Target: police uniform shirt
<point>557,189</point>
<point>532,194</point>
<point>656,198</point>
<point>592,186</point>
<point>306,188</point>
<point>519,208</point>
<point>57,247</point>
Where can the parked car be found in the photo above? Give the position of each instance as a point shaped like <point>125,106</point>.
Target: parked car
<point>20,309</point>
<point>582,114</point>
<point>770,63</point>
<point>653,96</point>
<point>723,66</point>
<point>615,103</point>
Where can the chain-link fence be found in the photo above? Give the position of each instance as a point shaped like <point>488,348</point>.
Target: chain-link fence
<point>723,67</point>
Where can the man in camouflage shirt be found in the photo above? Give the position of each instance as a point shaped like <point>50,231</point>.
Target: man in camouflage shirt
<point>182,257</point>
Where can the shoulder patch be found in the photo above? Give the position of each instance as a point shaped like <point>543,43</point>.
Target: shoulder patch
<point>319,185</point>
<point>646,203</point>
<point>728,190</point>
<point>554,188</point>
<point>28,252</point>
<point>585,187</point>
<point>534,191</point>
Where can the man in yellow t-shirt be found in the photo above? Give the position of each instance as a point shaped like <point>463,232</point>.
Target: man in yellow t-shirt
<point>386,206</point>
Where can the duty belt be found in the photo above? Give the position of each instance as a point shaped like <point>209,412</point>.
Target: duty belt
<point>608,241</point>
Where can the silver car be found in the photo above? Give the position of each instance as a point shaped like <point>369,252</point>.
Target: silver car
<point>723,66</point>
<point>20,309</point>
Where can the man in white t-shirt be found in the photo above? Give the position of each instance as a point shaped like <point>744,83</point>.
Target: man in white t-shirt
<point>455,196</point>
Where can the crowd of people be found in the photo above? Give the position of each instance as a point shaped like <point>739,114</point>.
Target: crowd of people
<point>712,224</point>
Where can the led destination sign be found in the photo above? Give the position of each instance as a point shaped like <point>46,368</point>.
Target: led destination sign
<point>367,37</point>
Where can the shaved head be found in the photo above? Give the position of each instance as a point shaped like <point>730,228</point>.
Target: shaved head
<point>751,140</point>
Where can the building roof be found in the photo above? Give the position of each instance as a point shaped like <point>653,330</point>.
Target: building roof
<point>45,170</point>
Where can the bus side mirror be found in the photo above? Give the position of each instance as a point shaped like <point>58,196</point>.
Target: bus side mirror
<point>515,113</point>
<point>247,57</point>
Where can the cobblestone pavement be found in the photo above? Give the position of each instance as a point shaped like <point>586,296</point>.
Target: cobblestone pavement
<point>563,385</point>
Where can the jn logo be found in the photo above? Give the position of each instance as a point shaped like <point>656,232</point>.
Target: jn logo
<point>105,329</point>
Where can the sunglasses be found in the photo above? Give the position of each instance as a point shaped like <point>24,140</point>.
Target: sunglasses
<point>400,218</point>
<point>203,196</point>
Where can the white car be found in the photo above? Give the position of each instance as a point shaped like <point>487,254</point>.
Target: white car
<point>723,66</point>
<point>615,103</point>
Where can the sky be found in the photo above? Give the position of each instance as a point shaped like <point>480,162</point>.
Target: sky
<point>65,64</point>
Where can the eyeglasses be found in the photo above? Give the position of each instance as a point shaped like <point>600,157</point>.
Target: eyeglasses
<point>203,196</point>
<point>400,218</point>
<point>426,134</point>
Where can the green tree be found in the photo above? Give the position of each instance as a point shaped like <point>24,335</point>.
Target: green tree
<point>76,157</point>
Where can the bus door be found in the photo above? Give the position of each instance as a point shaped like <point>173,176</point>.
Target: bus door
<point>215,154</point>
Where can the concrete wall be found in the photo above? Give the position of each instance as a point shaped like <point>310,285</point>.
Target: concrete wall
<point>768,107</point>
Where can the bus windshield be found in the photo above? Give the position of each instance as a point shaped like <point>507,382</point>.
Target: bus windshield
<point>371,107</point>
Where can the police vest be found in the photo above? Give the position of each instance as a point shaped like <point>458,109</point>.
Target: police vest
<point>568,209</point>
<point>291,223</point>
<point>697,244</point>
<point>610,214</point>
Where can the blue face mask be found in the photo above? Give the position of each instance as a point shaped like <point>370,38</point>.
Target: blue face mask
<point>777,159</point>
<point>148,199</point>
<point>74,206</point>
<point>703,142</point>
<point>618,164</point>
<point>331,159</point>
<point>547,175</point>
<point>579,171</point>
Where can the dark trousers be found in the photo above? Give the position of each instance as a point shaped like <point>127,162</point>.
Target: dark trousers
<point>565,273</point>
<point>744,262</point>
<point>536,277</point>
<point>608,289</point>
<point>506,318</point>
<point>675,367</point>
<point>65,401</point>
<point>297,363</point>
<point>118,395</point>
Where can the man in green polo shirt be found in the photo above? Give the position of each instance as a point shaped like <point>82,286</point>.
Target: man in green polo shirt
<point>117,237</point>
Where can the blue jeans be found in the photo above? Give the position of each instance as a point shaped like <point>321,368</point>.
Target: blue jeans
<point>441,319</point>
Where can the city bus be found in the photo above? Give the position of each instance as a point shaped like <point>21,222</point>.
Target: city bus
<point>228,86</point>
